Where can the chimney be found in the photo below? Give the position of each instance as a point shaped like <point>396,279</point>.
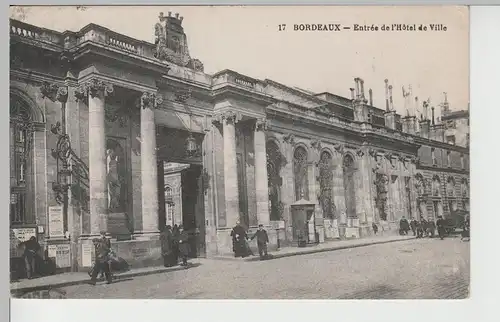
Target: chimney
<point>437,129</point>
<point>359,104</point>
<point>386,81</point>
<point>370,93</point>
<point>424,122</point>
<point>391,102</point>
<point>390,113</point>
<point>356,81</point>
<point>352,93</point>
<point>362,82</point>
<point>446,105</point>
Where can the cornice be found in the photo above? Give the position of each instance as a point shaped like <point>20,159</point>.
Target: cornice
<point>106,51</point>
<point>35,77</point>
<point>232,90</point>
<point>438,144</point>
<point>440,169</point>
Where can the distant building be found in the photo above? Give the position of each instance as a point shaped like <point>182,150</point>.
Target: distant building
<point>141,137</point>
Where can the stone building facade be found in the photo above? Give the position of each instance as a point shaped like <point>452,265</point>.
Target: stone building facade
<point>96,117</point>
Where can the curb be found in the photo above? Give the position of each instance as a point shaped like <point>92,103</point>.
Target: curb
<point>313,251</point>
<point>85,280</point>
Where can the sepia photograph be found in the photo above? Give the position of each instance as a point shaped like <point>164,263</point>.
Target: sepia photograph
<point>239,152</point>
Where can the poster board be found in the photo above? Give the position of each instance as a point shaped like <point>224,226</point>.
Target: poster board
<point>87,255</point>
<point>56,223</point>
<point>61,253</point>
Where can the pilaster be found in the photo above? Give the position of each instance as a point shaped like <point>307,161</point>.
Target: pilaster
<point>261,180</point>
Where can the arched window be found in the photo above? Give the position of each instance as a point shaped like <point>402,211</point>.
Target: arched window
<point>349,185</point>
<point>326,185</point>
<point>275,160</point>
<point>21,137</point>
<point>300,174</point>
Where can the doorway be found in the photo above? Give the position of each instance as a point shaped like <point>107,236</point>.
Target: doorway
<point>182,202</point>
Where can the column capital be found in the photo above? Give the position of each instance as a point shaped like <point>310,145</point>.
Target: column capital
<point>150,100</point>
<point>228,116</point>
<point>261,124</point>
<point>54,92</point>
<point>94,87</point>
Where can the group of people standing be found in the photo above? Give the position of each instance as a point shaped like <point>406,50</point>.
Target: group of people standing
<point>175,244</point>
<point>240,238</point>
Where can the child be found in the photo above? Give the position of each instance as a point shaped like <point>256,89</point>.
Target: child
<point>262,240</point>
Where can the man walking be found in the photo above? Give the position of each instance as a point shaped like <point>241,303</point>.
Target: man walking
<point>262,240</point>
<point>101,260</point>
<point>440,227</point>
<point>31,247</point>
<point>404,226</point>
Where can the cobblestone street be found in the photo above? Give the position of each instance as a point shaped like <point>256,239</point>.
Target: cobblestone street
<point>413,269</point>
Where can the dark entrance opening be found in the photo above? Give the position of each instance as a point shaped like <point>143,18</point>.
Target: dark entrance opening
<point>181,194</point>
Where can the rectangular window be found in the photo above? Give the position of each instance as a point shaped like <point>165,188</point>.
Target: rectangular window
<point>448,158</point>
<point>433,156</point>
<point>462,163</point>
<point>450,139</point>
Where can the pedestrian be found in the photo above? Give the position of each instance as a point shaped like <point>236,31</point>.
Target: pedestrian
<point>375,228</point>
<point>440,227</point>
<point>413,225</point>
<point>184,248</point>
<point>31,248</point>
<point>466,229</point>
<point>167,246</point>
<point>420,228</point>
<point>262,240</point>
<point>431,228</point>
<point>175,244</point>
<point>239,237</point>
<point>101,260</point>
<point>404,226</point>
<point>106,241</point>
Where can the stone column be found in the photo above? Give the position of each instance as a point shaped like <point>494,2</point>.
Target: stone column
<point>95,91</point>
<point>229,120</point>
<point>261,184</point>
<point>149,167</point>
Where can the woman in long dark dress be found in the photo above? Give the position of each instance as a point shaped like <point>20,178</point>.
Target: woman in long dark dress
<point>239,236</point>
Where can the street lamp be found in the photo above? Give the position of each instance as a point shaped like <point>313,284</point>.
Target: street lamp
<point>63,151</point>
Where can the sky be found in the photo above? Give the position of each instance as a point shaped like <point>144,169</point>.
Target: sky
<point>248,40</point>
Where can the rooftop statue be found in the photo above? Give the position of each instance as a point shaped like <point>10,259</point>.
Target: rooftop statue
<point>171,42</point>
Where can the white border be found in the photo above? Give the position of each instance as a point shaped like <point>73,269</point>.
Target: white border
<point>485,86</point>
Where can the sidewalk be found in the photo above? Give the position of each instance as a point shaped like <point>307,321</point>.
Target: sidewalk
<point>74,278</point>
<point>323,247</point>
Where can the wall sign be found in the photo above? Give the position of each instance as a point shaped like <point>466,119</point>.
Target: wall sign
<point>87,255</point>
<point>62,254</point>
<point>56,224</point>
